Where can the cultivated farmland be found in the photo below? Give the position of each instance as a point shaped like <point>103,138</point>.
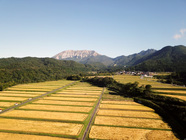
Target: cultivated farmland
<point>64,113</point>
<point>121,118</point>
<point>158,88</point>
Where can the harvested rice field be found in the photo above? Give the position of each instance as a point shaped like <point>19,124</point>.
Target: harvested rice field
<point>40,126</point>
<point>46,115</point>
<point>56,108</point>
<point>123,113</point>
<point>64,102</point>
<point>118,133</point>
<point>131,122</point>
<point>70,99</point>
<point>14,136</point>
<point>127,107</point>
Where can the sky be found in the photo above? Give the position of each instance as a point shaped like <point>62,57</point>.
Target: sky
<point>44,28</point>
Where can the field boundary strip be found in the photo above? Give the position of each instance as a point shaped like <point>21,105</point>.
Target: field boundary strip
<point>37,97</point>
<point>92,117</point>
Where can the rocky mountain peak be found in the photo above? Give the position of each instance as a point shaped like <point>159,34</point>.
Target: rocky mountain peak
<point>79,54</point>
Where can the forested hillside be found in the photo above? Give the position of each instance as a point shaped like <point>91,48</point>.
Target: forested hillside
<point>26,70</point>
<point>167,59</point>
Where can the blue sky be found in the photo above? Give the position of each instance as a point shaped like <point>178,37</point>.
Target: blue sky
<point>43,28</point>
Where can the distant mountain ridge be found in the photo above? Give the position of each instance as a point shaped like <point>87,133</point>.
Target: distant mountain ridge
<point>78,54</point>
<point>85,57</point>
<point>169,58</point>
<point>133,59</point>
<point>94,58</point>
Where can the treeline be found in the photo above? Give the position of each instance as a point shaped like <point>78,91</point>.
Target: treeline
<point>172,110</point>
<point>27,70</point>
<point>178,78</point>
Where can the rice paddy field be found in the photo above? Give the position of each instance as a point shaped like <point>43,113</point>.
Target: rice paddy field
<point>66,113</point>
<point>122,118</point>
<point>159,88</point>
<point>63,114</point>
<point>8,136</point>
<point>23,92</point>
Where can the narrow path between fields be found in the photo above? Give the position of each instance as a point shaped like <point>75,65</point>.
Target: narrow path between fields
<point>34,98</point>
<point>92,117</point>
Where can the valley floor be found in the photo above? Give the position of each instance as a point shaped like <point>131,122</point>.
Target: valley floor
<point>38,114</point>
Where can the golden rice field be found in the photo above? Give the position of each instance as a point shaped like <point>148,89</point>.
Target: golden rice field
<point>64,103</point>
<point>123,113</point>
<point>74,95</point>
<point>22,92</point>
<point>13,98</point>
<point>162,87</point>
<point>40,126</point>
<point>62,110</point>
<point>128,107</point>
<point>119,133</point>
<point>70,99</point>
<point>46,115</point>
<point>56,108</point>
<point>124,119</point>
<point>145,81</point>
<point>7,104</point>
<point>17,95</point>
<point>175,96</point>
<point>47,83</point>
<point>85,88</point>
<point>80,92</point>
<point>25,89</point>
<point>119,102</point>
<point>172,91</point>
<point>42,86</point>
<point>131,122</point>
<point>14,136</point>
<point>86,91</point>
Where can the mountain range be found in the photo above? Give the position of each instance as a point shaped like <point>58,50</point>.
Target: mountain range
<point>169,58</point>
<point>93,58</point>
